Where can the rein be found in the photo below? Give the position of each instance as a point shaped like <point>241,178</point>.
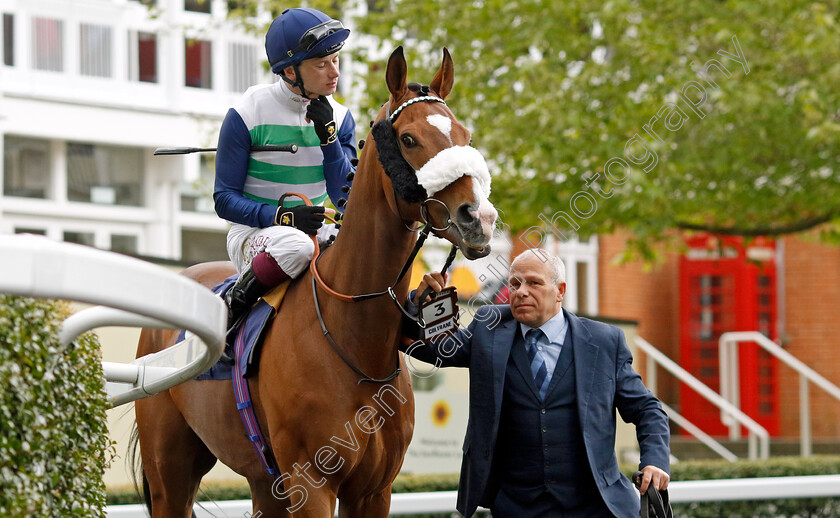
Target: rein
<point>425,230</point>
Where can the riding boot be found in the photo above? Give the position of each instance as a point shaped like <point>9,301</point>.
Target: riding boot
<point>242,295</point>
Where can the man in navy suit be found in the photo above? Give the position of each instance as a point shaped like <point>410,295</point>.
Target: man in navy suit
<point>544,386</point>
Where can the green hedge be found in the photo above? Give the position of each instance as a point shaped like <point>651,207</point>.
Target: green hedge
<point>774,467</point>
<point>54,443</point>
<point>686,470</point>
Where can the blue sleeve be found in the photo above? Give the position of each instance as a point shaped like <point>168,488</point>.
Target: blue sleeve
<point>449,351</point>
<point>637,405</point>
<point>337,158</point>
<point>232,156</point>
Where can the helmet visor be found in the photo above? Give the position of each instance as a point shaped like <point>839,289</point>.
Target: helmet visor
<point>311,37</point>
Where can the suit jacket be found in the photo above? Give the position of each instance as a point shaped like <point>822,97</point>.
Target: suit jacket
<point>605,380</point>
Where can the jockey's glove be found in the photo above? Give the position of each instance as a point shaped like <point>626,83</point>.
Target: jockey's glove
<point>320,112</point>
<point>304,218</point>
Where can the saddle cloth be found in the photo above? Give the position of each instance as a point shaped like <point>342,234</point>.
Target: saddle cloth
<point>251,330</point>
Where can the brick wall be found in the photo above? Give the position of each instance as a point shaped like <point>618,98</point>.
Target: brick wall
<point>649,296</point>
<point>812,332</point>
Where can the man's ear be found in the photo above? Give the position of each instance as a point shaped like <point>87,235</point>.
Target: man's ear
<point>562,289</point>
<point>290,73</point>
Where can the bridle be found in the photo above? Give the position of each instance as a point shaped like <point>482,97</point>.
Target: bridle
<point>424,230</point>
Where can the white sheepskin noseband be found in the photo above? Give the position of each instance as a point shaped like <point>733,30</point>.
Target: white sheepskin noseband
<point>451,164</point>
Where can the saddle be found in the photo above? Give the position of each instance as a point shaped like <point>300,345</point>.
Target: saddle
<point>249,333</point>
<point>655,503</point>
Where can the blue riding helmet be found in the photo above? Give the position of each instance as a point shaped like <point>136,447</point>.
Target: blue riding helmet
<point>302,33</point>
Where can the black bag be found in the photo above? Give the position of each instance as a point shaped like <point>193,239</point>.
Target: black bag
<point>654,503</point>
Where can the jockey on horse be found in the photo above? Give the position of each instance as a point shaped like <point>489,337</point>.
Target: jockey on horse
<point>268,240</point>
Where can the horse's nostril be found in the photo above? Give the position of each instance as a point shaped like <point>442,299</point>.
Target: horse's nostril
<point>466,215</point>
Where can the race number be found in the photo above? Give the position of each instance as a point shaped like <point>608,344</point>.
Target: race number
<point>440,313</point>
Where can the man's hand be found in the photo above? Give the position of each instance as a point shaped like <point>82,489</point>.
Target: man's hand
<point>435,280</point>
<point>320,112</point>
<point>652,474</point>
<point>304,218</point>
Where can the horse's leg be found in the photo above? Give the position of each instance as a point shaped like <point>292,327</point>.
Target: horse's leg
<point>266,504</point>
<point>174,458</point>
<point>373,506</point>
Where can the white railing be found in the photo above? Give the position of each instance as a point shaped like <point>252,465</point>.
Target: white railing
<point>730,385</point>
<point>769,488</point>
<point>136,293</point>
<point>758,440</point>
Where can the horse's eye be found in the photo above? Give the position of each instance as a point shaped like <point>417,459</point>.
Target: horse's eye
<point>408,141</point>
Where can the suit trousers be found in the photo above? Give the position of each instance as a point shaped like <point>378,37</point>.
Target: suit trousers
<point>546,506</point>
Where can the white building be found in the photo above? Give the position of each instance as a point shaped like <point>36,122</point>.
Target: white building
<point>88,90</point>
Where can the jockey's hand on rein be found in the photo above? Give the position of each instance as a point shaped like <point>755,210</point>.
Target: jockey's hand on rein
<point>320,112</point>
<point>304,218</point>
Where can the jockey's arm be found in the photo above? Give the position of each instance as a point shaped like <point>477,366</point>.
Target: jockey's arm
<point>337,158</point>
<point>232,155</point>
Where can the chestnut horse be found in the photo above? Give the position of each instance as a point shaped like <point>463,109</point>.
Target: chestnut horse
<point>332,435</point>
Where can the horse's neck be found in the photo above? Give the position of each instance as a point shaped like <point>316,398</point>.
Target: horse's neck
<point>367,256</point>
<point>372,246</point>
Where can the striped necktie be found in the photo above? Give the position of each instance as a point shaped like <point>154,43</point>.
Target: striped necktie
<point>535,357</point>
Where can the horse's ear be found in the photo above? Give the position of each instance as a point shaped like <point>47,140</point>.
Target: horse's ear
<point>396,73</point>
<point>445,77</point>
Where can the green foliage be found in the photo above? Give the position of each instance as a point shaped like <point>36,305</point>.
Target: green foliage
<point>553,90</point>
<point>54,444</point>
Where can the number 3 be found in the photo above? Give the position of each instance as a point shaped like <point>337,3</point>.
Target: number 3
<point>439,309</point>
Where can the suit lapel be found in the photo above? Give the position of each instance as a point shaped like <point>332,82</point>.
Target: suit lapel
<point>503,337</point>
<point>585,353</point>
<point>520,359</point>
<point>565,360</point>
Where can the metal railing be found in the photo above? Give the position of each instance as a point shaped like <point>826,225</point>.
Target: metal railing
<point>136,293</point>
<point>730,385</point>
<point>768,488</point>
<point>758,439</point>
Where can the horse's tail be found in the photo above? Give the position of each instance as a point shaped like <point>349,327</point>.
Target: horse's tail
<point>135,464</point>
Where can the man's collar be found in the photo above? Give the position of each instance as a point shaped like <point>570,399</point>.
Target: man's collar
<point>286,92</point>
<point>553,327</point>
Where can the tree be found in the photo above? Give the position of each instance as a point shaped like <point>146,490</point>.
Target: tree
<point>554,92</point>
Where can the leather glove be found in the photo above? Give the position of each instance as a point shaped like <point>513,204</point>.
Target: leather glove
<point>304,218</point>
<point>320,112</point>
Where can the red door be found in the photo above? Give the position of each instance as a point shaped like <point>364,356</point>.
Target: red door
<point>727,285</point>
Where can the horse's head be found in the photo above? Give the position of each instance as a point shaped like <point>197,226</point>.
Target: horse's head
<point>434,174</point>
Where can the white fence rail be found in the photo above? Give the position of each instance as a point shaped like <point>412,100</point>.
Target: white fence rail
<point>760,450</point>
<point>136,293</point>
<point>730,384</point>
<point>769,488</point>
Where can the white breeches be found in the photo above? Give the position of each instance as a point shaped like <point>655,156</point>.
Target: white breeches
<point>291,248</point>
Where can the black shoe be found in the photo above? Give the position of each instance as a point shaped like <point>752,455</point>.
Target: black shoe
<point>242,295</point>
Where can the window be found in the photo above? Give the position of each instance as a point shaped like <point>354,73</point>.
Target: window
<point>199,246</point>
<point>104,174</point>
<point>198,71</point>
<point>197,196</point>
<point>142,57</point>
<point>124,243</point>
<point>8,39</point>
<point>198,6</point>
<point>82,238</point>
<point>242,66</point>
<point>26,230</point>
<point>26,163</point>
<point>47,44</point>
<point>95,50</point>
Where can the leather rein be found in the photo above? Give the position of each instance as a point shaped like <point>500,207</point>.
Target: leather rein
<point>425,230</point>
